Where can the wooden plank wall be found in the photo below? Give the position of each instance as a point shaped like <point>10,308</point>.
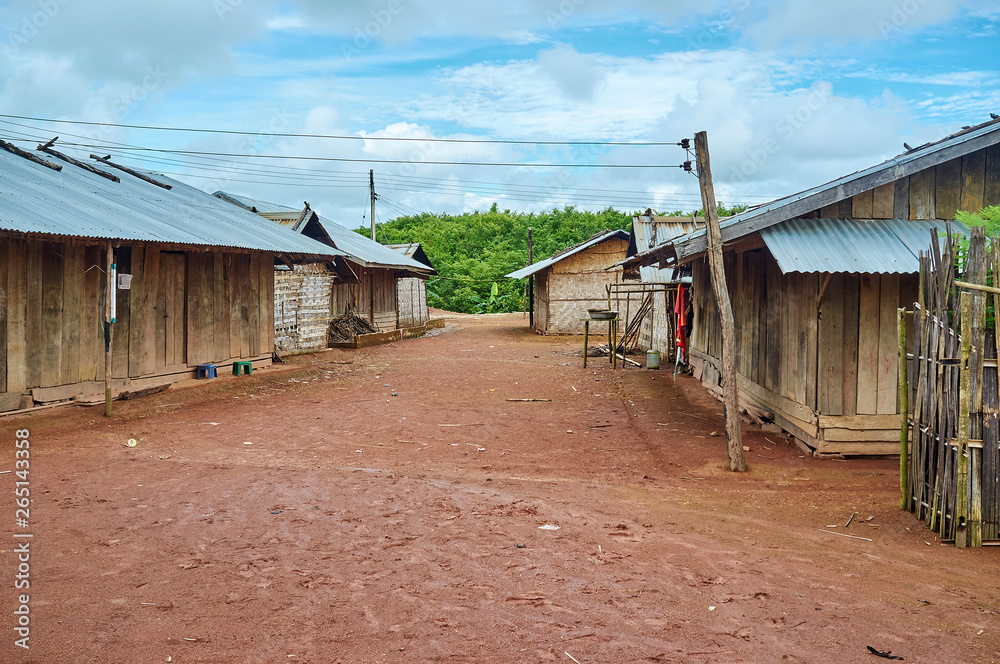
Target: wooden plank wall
<point>373,298</point>
<point>183,308</point>
<point>966,183</point>
<point>837,357</point>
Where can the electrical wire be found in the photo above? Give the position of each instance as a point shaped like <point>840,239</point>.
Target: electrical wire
<point>270,134</point>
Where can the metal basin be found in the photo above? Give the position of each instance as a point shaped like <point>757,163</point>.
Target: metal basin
<point>602,314</point>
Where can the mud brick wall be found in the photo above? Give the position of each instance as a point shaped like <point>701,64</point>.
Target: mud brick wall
<point>577,283</point>
<point>302,308</point>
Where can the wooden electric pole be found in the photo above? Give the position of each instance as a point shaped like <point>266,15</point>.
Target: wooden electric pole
<point>371,189</point>
<point>730,389</point>
<point>531,286</point>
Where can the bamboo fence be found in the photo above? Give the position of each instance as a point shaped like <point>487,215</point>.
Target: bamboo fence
<point>950,474</point>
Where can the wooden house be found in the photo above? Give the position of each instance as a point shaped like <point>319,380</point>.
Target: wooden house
<point>816,279</point>
<point>574,280</point>
<point>195,278</point>
<point>411,291</point>
<point>367,285</point>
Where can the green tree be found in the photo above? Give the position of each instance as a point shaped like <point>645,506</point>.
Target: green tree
<point>473,251</point>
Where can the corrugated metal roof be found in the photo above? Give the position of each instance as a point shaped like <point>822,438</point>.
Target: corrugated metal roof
<point>413,250</point>
<point>884,246</point>
<point>648,232</point>
<point>975,137</point>
<point>652,231</point>
<point>357,247</point>
<point>566,253</point>
<point>74,202</point>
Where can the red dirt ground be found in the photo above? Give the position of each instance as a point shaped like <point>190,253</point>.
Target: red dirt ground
<point>388,510</point>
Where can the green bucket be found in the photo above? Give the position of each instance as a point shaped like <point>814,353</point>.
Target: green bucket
<point>652,359</point>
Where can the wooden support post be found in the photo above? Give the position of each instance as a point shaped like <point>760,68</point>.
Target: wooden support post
<point>531,283</point>
<point>731,398</point>
<point>109,292</point>
<point>962,449</point>
<point>904,414</point>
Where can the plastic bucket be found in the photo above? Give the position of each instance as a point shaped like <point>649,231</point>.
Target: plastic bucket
<point>652,359</point>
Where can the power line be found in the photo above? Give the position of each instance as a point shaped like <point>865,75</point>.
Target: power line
<point>274,134</point>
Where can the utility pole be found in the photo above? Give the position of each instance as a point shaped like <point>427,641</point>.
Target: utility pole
<point>730,389</point>
<point>371,188</point>
<point>531,286</point>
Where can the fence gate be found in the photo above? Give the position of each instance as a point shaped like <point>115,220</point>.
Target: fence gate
<point>951,479</point>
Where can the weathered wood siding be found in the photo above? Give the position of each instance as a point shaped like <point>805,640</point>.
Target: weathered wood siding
<point>827,367</point>
<point>183,308</point>
<point>302,308</point>
<point>541,316</point>
<point>373,298</point>
<point>577,283</point>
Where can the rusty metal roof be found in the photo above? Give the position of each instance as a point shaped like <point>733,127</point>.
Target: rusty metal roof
<point>882,246</point>
<point>73,202</point>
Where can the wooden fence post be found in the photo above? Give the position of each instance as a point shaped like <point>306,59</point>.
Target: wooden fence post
<point>904,414</point>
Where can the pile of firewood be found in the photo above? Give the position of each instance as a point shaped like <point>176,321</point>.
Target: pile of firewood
<point>347,327</point>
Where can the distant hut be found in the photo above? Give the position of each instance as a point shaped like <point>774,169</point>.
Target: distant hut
<point>573,281</point>
<point>815,280</point>
<point>308,298</point>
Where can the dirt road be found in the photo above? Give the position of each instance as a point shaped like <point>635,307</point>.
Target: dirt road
<point>388,505</point>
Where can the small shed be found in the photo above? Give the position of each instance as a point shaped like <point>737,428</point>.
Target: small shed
<point>658,285</point>
<point>816,279</point>
<point>411,292</point>
<point>195,278</point>
<point>366,286</point>
<point>574,280</point>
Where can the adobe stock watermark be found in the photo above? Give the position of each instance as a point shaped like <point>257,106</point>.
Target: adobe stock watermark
<point>122,106</point>
<point>563,11</point>
<point>900,15</point>
<point>364,35</point>
<point>224,7</point>
<point>30,25</point>
<point>279,121</point>
<point>22,538</point>
<point>708,33</point>
<point>785,128</point>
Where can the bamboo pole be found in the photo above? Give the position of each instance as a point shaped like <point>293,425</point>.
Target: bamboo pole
<point>962,451</point>
<point>730,389</point>
<point>904,415</point>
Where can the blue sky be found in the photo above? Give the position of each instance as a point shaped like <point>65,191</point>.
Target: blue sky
<point>792,93</point>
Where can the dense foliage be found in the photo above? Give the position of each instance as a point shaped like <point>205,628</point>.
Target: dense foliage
<point>988,217</point>
<point>472,252</point>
